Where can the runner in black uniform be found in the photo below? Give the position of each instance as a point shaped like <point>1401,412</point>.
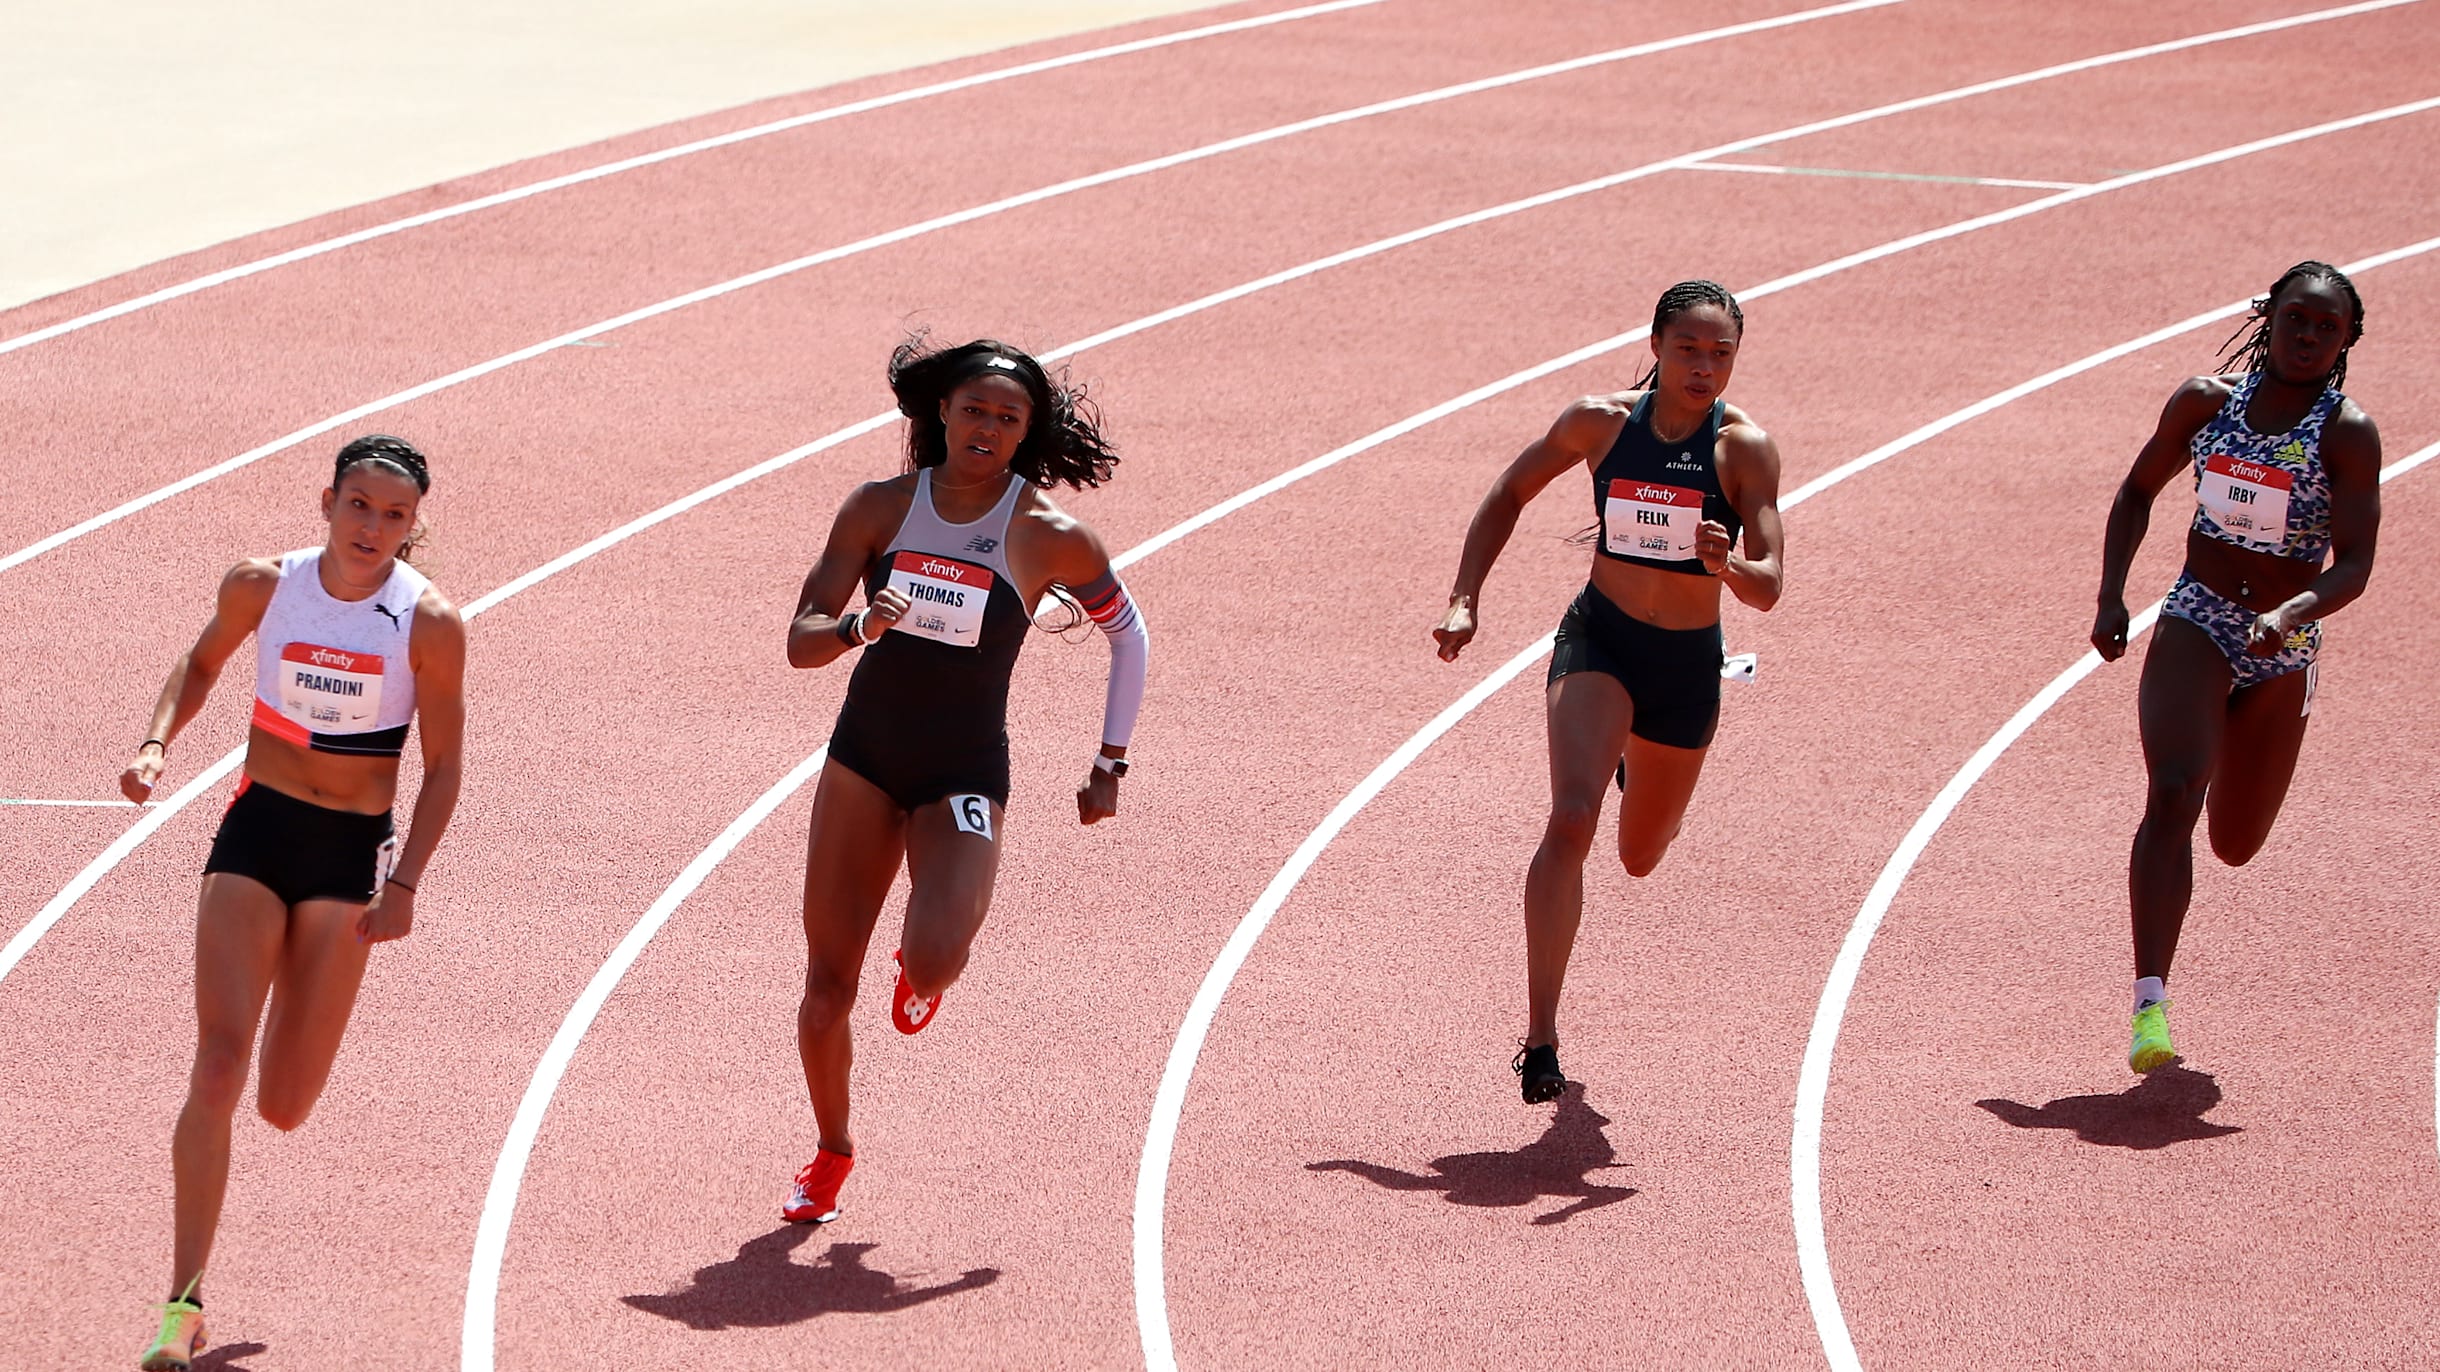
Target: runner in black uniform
<point>952,557</point>
<point>1678,475</point>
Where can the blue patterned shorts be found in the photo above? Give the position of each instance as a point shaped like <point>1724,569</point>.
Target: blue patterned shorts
<point>2227,623</point>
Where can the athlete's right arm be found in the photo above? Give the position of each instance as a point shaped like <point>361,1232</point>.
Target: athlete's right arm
<point>1574,440</point>
<point>244,594</point>
<point>818,635</point>
<point>2164,455</point>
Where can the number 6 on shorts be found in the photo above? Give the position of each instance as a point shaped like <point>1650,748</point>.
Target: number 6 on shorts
<point>972,815</point>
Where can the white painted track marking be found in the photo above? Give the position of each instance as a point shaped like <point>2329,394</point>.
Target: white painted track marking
<point>509,1169</point>
<point>917,230</point>
<point>628,164</point>
<point>1151,1296</point>
<point>1766,169</point>
<point>1813,1080</point>
<point>75,804</point>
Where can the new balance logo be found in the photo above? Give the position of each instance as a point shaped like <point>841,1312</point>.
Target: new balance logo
<point>980,544</point>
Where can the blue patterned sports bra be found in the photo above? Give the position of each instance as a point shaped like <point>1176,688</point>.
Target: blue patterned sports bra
<point>2265,492</point>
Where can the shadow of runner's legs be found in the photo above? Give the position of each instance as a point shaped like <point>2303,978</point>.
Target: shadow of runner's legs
<point>224,1358</point>
<point>763,1287</point>
<point>2164,1108</point>
<point>1557,1165</point>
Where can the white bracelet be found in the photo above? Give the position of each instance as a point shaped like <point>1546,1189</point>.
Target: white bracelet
<point>863,617</point>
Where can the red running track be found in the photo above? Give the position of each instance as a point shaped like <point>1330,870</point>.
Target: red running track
<point>627,709</point>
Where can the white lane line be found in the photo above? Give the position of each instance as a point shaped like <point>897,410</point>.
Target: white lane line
<point>1813,1081</point>
<point>75,804</point>
<point>911,231</point>
<point>628,164</point>
<point>1844,174</point>
<point>75,890</point>
<point>1152,1314</point>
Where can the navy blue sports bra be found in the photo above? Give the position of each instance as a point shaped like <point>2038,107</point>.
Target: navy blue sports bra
<point>1650,496</point>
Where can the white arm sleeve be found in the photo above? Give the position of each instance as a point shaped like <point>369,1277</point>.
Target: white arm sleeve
<point>1130,656</point>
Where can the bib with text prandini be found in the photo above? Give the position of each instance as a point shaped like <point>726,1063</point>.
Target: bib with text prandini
<point>329,690</point>
<point>947,598</point>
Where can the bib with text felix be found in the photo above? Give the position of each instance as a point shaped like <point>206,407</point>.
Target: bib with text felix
<point>947,598</point>
<point>2248,500</point>
<point>1650,520</point>
<point>329,690</point>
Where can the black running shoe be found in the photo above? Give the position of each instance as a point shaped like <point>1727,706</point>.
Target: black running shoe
<point>1537,1070</point>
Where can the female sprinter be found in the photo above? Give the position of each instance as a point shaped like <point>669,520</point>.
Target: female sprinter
<point>2288,472</point>
<point>307,872</point>
<point>952,556</point>
<point>1677,473</point>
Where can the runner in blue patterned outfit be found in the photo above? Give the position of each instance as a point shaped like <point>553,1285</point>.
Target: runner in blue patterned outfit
<point>2287,474</point>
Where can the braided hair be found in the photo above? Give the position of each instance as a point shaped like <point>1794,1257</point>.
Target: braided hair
<point>2249,348</point>
<point>1677,300</point>
<point>1063,441</point>
<point>385,452</point>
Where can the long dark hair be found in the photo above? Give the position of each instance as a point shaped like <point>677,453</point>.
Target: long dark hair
<point>1063,442</point>
<point>1677,300</point>
<point>2249,348</point>
<point>387,452</point>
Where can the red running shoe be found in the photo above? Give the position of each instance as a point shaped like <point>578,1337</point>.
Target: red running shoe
<point>908,1011</point>
<point>816,1197</point>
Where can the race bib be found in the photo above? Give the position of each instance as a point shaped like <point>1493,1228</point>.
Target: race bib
<point>946,598</point>
<point>1649,520</point>
<point>2248,500</point>
<point>328,691</point>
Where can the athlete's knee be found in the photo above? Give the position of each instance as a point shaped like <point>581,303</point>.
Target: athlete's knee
<point>1642,858</point>
<point>2237,848</point>
<point>219,1079</point>
<point>2176,791</point>
<point>932,961</point>
<point>829,994</point>
<point>284,1110</point>
<point>1572,826</point>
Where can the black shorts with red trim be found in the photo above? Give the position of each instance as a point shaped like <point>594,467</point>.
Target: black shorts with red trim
<point>300,850</point>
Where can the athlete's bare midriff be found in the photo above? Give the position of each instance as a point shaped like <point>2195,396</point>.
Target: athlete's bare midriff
<point>1664,600</point>
<point>2259,581</point>
<point>334,781</point>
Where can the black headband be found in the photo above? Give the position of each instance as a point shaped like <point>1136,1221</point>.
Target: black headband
<point>399,455</point>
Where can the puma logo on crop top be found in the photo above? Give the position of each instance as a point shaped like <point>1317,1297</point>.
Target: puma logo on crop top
<point>332,675</point>
<point>2267,492</point>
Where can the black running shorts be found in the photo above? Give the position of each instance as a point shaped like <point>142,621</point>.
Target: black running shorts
<point>1672,675</point>
<point>300,850</point>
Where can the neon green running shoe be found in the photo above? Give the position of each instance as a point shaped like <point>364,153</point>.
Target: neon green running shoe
<point>2151,1050</point>
<point>180,1339</point>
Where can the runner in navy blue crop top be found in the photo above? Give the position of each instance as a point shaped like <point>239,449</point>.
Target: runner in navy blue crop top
<point>1681,478</point>
<point>2288,473</point>
<point>952,557</point>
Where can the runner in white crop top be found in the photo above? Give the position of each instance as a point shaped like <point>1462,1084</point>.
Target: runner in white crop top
<point>307,871</point>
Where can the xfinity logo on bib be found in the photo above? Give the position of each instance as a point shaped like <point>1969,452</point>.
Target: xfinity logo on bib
<point>2246,471</point>
<point>951,570</point>
<point>326,657</point>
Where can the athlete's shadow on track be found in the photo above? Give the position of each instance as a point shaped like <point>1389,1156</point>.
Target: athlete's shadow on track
<point>224,1358</point>
<point>764,1287</point>
<point>1558,1165</point>
<point>2164,1108</point>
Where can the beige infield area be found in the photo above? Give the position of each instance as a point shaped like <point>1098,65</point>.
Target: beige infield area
<point>133,132</point>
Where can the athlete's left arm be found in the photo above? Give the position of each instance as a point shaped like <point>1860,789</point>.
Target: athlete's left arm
<point>2351,454</point>
<point>1749,477</point>
<point>437,651</point>
<point>1079,562</point>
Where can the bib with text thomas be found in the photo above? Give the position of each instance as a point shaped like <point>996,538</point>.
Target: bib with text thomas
<point>946,598</point>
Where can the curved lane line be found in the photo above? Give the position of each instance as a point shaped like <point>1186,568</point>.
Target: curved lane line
<point>627,164</point>
<point>1813,1078</point>
<point>508,1171</point>
<point>1152,1313</point>
<point>1814,1082</point>
<point>917,230</point>
<point>76,889</point>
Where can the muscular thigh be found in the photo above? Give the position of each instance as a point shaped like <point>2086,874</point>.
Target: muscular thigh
<point>852,850</point>
<point>1660,782</point>
<point>2182,701</point>
<point>2264,734</point>
<point>1589,717</point>
<point>240,928</point>
<point>953,857</point>
<point>321,966</point>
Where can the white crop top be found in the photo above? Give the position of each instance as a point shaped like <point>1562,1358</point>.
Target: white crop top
<point>332,675</point>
